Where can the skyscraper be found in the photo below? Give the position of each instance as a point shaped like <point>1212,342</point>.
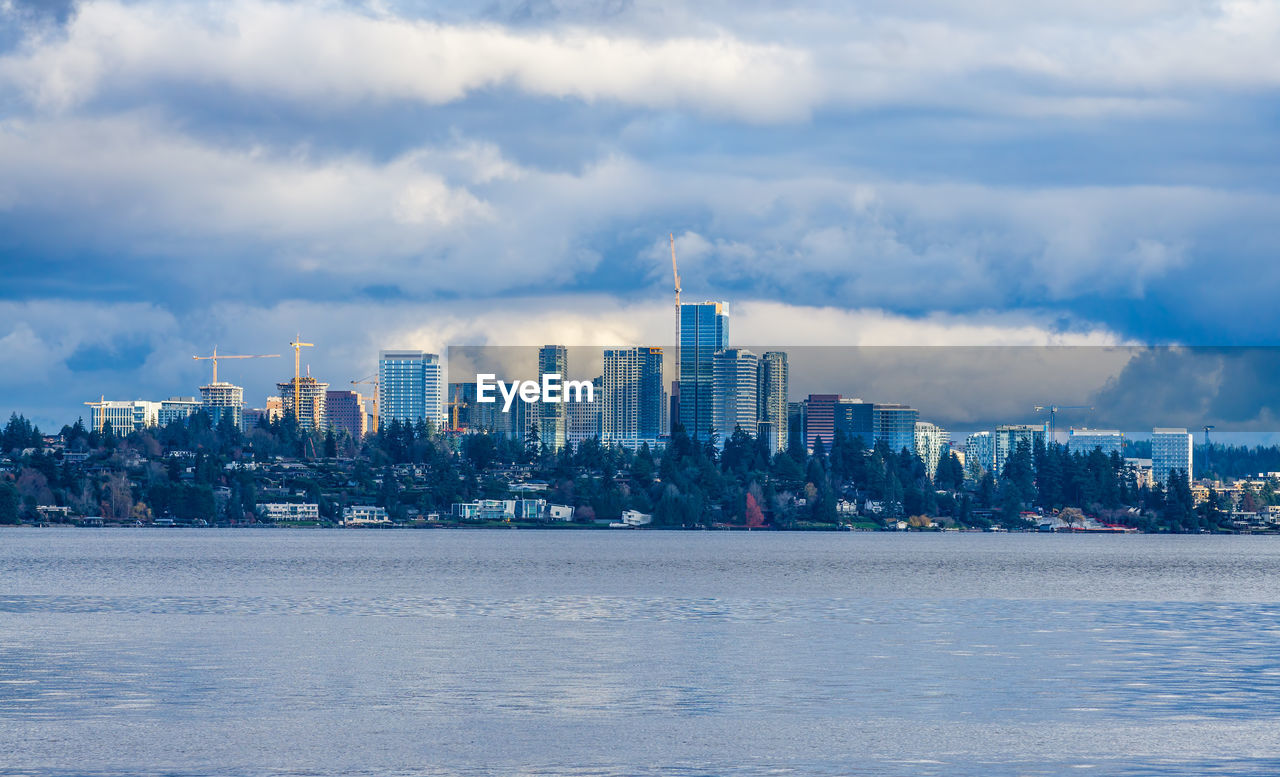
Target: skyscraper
<point>704,330</point>
<point>896,425</point>
<point>771,398</point>
<point>653,396</point>
<point>1170,452</point>
<point>553,417</point>
<point>631,397</point>
<point>222,400</point>
<point>1085,440</point>
<point>345,410</point>
<point>583,419</point>
<point>312,410</point>
<point>979,455</point>
<point>856,419</point>
<point>411,387</point>
<point>1009,436</point>
<point>820,420</point>
<point>735,373</point>
<point>177,409</point>
<point>932,441</point>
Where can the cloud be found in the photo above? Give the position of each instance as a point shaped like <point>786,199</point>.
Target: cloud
<point>335,53</point>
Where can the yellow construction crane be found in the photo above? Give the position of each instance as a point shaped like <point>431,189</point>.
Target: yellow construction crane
<point>297,345</point>
<point>216,356</point>
<point>372,380</point>
<point>454,404</point>
<point>101,406</point>
<point>675,273</point>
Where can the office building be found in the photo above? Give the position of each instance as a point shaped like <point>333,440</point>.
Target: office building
<point>411,386</point>
<point>704,331</point>
<point>553,417</point>
<point>223,400</point>
<point>584,418</point>
<point>631,396</point>
<point>177,409</point>
<point>1084,441</point>
<point>855,418</point>
<point>979,455</point>
<point>1009,436</point>
<point>896,425</point>
<point>735,375</point>
<point>932,443</point>
<point>653,422</point>
<point>125,417</point>
<point>311,410</point>
<point>1170,452</point>
<point>771,397</point>
<point>820,420</point>
<point>345,410</point>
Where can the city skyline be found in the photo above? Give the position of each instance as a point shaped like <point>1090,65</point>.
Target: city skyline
<point>945,189</point>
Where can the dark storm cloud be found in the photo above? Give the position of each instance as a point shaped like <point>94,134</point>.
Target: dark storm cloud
<point>1108,166</point>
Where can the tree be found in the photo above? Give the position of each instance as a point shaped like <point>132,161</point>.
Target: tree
<point>9,503</point>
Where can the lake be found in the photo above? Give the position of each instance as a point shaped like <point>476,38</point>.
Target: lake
<point>276,652</point>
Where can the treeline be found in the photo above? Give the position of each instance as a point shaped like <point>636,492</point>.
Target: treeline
<point>688,483</point>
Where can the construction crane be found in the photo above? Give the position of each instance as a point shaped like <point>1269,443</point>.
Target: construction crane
<point>1053,415</point>
<point>101,407</point>
<point>1207,450</point>
<point>297,345</point>
<point>675,274</point>
<point>216,356</point>
<point>371,380</point>
<point>454,404</point>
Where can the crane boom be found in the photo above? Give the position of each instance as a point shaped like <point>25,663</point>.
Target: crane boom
<point>216,356</point>
<point>297,346</point>
<point>1053,415</point>
<point>372,380</point>
<point>675,274</point>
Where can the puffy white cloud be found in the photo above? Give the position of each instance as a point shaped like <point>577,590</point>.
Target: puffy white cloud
<point>328,52</point>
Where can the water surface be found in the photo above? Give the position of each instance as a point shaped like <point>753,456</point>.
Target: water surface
<point>260,652</point>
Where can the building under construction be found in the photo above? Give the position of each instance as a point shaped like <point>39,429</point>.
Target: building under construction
<point>311,407</point>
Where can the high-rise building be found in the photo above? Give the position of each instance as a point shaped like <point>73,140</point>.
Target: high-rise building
<point>177,409</point>
<point>631,397</point>
<point>1170,451</point>
<point>735,375</point>
<point>855,418</point>
<point>932,443</point>
<point>411,386</point>
<point>704,331</point>
<point>1085,440</point>
<point>223,400</point>
<point>653,396</point>
<point>771,397</point>
<point>820,420</point>
<point>583,419</point>
<point>1009,436</point>
<point>463,406</point>
<point>896,425</point>
<point>346,412</point>
<point>979,455</point>
<point>311,412</point>
<point>125,417</point>
<point>553,417</point>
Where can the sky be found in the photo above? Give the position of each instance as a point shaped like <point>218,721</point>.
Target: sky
<point>177,175</point>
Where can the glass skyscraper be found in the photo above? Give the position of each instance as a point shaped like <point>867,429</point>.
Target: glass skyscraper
<point>411,387</point>
<point>735,378</point>
<point>771,399</point>
<point>553,418</point>
<point>704,330</point>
